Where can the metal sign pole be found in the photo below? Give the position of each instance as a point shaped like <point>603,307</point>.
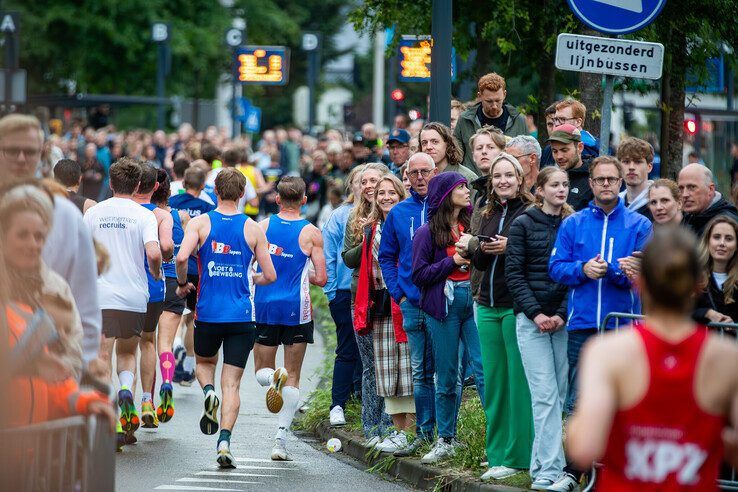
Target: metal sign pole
<point>160,65</point>
<point>440,86</point>
<point>606,115</point>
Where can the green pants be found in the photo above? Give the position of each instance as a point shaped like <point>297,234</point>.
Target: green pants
<point>507,405</point>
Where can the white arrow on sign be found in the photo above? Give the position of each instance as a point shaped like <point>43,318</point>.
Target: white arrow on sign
<point>234,37</point>
<point>631,5</point>
<point>159,32</point>
<point>309,41</point>
<point>8,24</point>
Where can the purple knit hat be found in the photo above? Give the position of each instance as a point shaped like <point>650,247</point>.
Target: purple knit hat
<point>439,188</point>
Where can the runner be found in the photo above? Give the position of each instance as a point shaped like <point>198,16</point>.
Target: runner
<point>148,185</point>
<point>227,242</point>
<point>662,391</point>
<point>283,311</point>
<point>129,233</point>
<point>174,305</point>
<point>194,183</point>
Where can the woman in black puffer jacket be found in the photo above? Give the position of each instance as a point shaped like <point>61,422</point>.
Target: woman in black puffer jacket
<point>540,309</point>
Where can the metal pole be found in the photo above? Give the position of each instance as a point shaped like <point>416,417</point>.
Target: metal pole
<point>11,63</point>
<point>160,68</point>
<point>234,117</point>
<point>312,71</point>
<point>606,115</point>
<point>392,106</point>
<point>378,83</point>
<point>440,86</point>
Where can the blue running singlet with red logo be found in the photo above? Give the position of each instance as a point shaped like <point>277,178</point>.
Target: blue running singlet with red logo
<point>170,268</point>
<point>157,288</point>
<point>194,207</point>
<point>224,294</point>
<point>286,301</point>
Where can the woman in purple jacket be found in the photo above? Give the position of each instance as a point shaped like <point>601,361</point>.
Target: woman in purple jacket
<point>442,276</point>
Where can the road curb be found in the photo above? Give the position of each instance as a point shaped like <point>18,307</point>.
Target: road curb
<point>409,470</point>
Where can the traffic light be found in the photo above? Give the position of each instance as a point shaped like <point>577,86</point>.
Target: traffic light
<point>690,126</point>
<point>397,95</point>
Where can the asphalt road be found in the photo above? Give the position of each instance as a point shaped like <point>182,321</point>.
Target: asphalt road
<point>177,456</point>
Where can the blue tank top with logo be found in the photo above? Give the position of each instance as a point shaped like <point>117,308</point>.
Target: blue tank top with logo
<point>170,268</point>
<point>224,262</point>
<point>194,207</point>
<point>156,287</point>
<point>286,301</point>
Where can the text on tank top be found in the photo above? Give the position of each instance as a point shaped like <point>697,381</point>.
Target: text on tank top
<point>170,267</point>
<point>666,441</point>
<point>224,294</point>
<point>285,301</point>
<point>157,288</point>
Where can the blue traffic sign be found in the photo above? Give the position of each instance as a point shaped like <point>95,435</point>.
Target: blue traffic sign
<point>249,115</point>
<point>616,16</point>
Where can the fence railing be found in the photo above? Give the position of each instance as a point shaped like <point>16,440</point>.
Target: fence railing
<point>71,454</point>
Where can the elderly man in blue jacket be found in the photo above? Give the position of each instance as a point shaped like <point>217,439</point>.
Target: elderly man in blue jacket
<point>395,258</point>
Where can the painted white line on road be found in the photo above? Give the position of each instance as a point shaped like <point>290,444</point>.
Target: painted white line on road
<point>253,467</point>
<point>214,480</point>
<point>188,487</point>
<point>234,474</point>
<point>259,460</point>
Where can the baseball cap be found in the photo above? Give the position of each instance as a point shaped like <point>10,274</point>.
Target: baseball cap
<point>399,135</point>
<point>565,134</point>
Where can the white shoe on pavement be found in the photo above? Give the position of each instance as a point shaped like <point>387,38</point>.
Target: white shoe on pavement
<point>565,483</point>
<point>225,458</point>
<point>499,472</point>
<point>337,416</point>
<point>279,451</point>
<point>441,450</point>
<point>393,442</point>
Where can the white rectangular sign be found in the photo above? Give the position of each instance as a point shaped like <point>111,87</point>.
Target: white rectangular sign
<point>610,56</point>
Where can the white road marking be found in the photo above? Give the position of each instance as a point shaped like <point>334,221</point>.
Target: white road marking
<point>213,480</point>
<point>188,487</point>
<point>235,474</point>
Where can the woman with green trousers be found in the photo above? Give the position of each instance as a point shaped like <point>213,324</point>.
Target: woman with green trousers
<point>507,404</point>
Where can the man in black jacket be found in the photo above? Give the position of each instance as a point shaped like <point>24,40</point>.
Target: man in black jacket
<point>566,147</point>
<point>700,201</point>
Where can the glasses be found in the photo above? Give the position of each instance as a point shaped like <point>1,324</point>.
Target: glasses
<point>15,152</point>
<point>521,155</point>
<point>558,121</point>
<point>612,180</point>
<point>419,172</point>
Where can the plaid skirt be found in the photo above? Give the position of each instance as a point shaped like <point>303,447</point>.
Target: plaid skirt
<point>391,360</point>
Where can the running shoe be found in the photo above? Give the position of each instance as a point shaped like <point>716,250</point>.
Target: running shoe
<point>128,416</point>
<point>148,416</point>
<point>225,458</point>
<point>120,437</point>
<point>274,399</point>
<point>209,419</point>
<point>179,357</point>
<point>187,378</point>
<point>279,451</point>
<point>165,410</point>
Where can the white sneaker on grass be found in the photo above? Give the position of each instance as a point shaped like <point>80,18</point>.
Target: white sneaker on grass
<point>372,442</point>
<point>499,472</point>
<point>565,483</point>
<point>541,484</point>
<point>337,416</point>
<point>441,450</point>
<point>393,442</point>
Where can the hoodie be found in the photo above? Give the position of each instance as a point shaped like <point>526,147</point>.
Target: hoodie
<point>580,194</point>
<point>431,265</point>
<point>591,150</point>
<point>697,221</point>
<point>584,235</point>
<point>640,203</point>
<point>396,247</point>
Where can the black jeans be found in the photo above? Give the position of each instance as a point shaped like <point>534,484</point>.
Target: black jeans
<point>347,367</point>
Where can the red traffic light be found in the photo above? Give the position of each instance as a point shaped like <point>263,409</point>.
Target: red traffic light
<point>397,95</point>
<point>690,126</point>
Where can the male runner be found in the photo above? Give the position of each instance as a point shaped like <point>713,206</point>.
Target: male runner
<point>129,233</point>
<point>283,311</point>
<point>194,183</point>
<point>148,185</point>
<point>227,242</point>
<point>173,304</point>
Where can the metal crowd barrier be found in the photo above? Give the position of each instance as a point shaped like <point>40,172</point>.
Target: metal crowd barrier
<point>71,454</point>
<point>728,480</point>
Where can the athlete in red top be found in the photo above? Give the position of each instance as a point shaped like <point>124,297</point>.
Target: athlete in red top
<point>655,399</point>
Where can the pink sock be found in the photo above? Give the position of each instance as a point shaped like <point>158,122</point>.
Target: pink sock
<point>166,363</point>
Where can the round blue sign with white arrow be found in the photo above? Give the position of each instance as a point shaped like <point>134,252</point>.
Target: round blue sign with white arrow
<point>616,16</point>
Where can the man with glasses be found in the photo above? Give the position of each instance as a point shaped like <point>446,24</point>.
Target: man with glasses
<point>572,112</point>
<point>395,259</point>
<point>566,148</point>
<point>398,144</point>
<point>527,151</point>
<point>585,258</point>
<point>491,110</point>
<point>68,250</point>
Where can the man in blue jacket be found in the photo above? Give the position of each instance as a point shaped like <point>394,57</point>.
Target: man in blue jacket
<point>395,258</point>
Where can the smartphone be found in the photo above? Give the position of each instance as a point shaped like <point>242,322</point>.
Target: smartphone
<point>486,239</point>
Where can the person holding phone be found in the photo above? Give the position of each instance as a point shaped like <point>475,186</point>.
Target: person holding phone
<point>508,436</point>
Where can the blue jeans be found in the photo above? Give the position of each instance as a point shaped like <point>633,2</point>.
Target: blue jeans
<point>421,360</point>
<point>576,340</point>
<point>347,366</point>
<point>458,326</point>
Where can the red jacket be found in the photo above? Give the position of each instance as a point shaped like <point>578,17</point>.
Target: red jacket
<point>363,302</point>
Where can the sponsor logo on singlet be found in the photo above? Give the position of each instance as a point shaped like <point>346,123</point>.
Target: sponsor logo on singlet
<point>279,251</point>
<point>215,270</point>
<point>652,460</point>
<point>115,222</point>
<point>223,249</point>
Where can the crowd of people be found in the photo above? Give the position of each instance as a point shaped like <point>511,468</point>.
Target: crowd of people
<point>450,257</point>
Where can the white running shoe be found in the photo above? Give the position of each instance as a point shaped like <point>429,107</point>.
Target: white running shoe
<point>279,451</point>
<point>441,450</point>
<point>337,416</point>
<point>541,484</point>
<point>499,472</point>
<point>393,442</point>
<point>565,483</point>
<point>209,417</point>
<point>372,442</point>
<point>225,458</point>
<point>274,399</point>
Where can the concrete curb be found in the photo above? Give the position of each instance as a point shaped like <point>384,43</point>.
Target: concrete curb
<point>409,470</point>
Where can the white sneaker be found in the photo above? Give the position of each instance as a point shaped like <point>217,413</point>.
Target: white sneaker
<point>440,451</point>
<point>499,472</point>
<point>337,416</point>
<point>225,458</point>
<point>541,484</point>
<point>279,451</point>
<point>565,483</point>
<point>393,442</point>
<point>372,442</point>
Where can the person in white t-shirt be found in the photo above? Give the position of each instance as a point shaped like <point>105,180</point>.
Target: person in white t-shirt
<point>129,232</point>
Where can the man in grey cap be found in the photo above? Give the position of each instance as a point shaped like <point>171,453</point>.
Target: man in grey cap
<point>566,148</point>
<point>398,144</point>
